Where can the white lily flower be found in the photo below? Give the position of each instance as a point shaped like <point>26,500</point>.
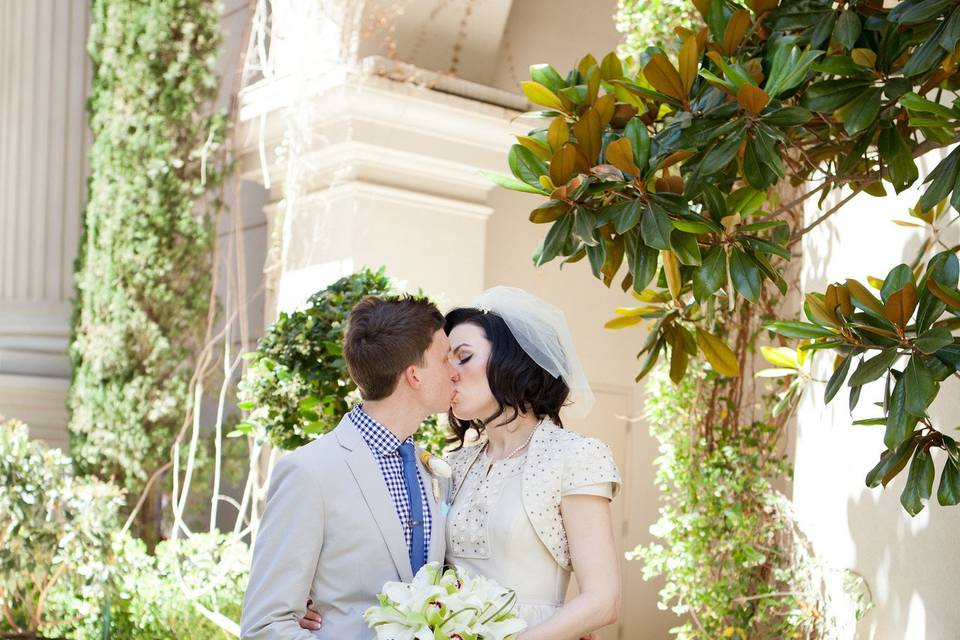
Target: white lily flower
<point>450,601</point>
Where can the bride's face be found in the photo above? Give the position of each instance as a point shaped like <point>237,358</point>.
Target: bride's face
<point>469,354</point>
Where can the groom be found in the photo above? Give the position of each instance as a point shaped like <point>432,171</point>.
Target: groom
<point>355,508</point>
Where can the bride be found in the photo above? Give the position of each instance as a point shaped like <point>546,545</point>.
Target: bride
<point>529,504</point>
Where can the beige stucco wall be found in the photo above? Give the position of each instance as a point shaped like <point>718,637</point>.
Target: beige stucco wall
<point>911,564</point>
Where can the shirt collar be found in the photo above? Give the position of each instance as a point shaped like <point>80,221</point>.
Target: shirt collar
<point>380,439</point>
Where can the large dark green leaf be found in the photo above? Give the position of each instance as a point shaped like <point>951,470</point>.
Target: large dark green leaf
<point>840,66</point>
<point>758,174</point>
<point>788,117</point>
<point>941,180</point>
<point>636,133</point>
<point>927,55</point>
<point>765,246</point>
<point>720,155</point>
<point>655,228</point>
<point>526,166</point>
<point>951,31</point>
<point>713,201</point>
<point>863,111</point>
<point>848,28</point>
<point>896,154</point>
<point>669,202</point>
<point>933,340</point>
<point>896,280</point>
<point>837,379</point>
<point>892,461</point>
<point>944,268</point>
<point>916,12</point>
<point>711,275</point>
<point>900,424</point>
<point>686,247</point>
<point>823,27</point>
<point>584,224</point>
<point>789,67</point>
<point>830,95</point>
<point>641,260</point>
<point>950,356</point>
<point>628,217</point>
<point>596,255</point>
<point>745,275</point>
<point>948,494</point>
<point>872,368</point>
<point>919,483</point>
<point>555,239</point>
<point>919,387</point>
<point>800,330</point>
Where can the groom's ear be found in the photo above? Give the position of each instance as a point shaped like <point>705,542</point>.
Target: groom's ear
<point>411,375</point>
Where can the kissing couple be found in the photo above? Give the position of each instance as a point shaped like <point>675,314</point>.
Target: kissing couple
<point>527,503</point>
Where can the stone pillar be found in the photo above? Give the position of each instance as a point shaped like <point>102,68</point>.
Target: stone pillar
<point>43,143</point>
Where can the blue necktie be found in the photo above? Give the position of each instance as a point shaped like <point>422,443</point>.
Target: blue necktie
<point>417,546</point>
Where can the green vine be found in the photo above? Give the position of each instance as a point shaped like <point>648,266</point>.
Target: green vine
<point>143,273</point>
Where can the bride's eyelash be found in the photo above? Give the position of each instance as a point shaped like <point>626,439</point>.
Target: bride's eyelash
<point>466,360</point>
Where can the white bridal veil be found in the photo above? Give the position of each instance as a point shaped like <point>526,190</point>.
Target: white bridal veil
<point>542,332</point>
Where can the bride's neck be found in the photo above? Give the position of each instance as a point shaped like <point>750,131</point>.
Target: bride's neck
<point>504,438</point>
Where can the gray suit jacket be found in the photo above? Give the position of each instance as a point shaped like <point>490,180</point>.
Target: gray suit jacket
<point>329,532</point>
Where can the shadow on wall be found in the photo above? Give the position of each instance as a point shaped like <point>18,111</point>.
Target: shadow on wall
<point>900,558</point>
<point>911,564</point>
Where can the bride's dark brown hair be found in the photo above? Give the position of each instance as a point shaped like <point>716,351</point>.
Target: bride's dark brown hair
<point>517,382</point>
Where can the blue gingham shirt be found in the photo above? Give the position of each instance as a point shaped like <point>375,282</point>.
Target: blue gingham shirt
<point>386,450</point>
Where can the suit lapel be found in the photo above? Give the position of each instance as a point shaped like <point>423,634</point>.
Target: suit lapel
<point>367,473</point>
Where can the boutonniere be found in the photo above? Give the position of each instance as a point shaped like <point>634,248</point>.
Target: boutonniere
<point>438,468</point>
<point>435,465</point>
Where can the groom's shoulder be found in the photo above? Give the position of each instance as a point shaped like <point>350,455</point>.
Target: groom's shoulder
<point>316,456</point>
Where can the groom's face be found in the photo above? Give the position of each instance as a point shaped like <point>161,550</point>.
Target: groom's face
<point>437,375</point>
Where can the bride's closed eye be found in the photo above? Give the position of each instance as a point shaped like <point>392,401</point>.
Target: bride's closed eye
<point>464,360</point>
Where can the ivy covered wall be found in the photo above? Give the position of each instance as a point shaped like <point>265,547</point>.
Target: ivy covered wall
<point>143,272</point>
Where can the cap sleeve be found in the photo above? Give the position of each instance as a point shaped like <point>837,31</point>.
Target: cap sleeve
<point>589,469</point>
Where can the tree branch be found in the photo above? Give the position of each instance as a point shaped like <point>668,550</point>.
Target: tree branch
<point>829,213</point>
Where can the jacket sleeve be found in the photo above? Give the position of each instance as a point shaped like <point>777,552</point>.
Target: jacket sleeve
<point>285,555</point>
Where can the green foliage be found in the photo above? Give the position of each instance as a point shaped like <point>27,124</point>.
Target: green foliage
<point>734,562</point>
<point>646,23</point>
<point>54,535</point>
<point>164,596</point>
<point>297,386</point>
<point>184,591</point>
<point>143,271</point>
<point>664,176</point>
<point>909,323</point>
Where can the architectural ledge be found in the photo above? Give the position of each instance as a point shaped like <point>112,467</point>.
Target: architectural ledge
<point>386,123</point>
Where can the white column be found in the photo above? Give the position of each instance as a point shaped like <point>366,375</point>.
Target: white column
<point>43,143</point>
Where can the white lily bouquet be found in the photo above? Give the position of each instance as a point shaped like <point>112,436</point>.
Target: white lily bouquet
<point>445,604</point>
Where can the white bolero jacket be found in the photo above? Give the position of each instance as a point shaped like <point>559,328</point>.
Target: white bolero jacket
<point>558,463</point>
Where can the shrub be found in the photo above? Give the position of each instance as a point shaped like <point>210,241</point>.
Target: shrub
<point>297,386</point>
<point>54,535</point>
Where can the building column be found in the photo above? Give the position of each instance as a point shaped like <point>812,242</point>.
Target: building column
<point>43,91</point>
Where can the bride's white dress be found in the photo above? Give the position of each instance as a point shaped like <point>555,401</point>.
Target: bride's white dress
<point>490,532</point>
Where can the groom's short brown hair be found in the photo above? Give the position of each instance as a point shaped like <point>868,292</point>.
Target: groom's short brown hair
<point>385,336</point>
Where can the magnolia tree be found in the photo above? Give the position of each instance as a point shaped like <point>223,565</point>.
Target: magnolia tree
<point>663,174</point>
